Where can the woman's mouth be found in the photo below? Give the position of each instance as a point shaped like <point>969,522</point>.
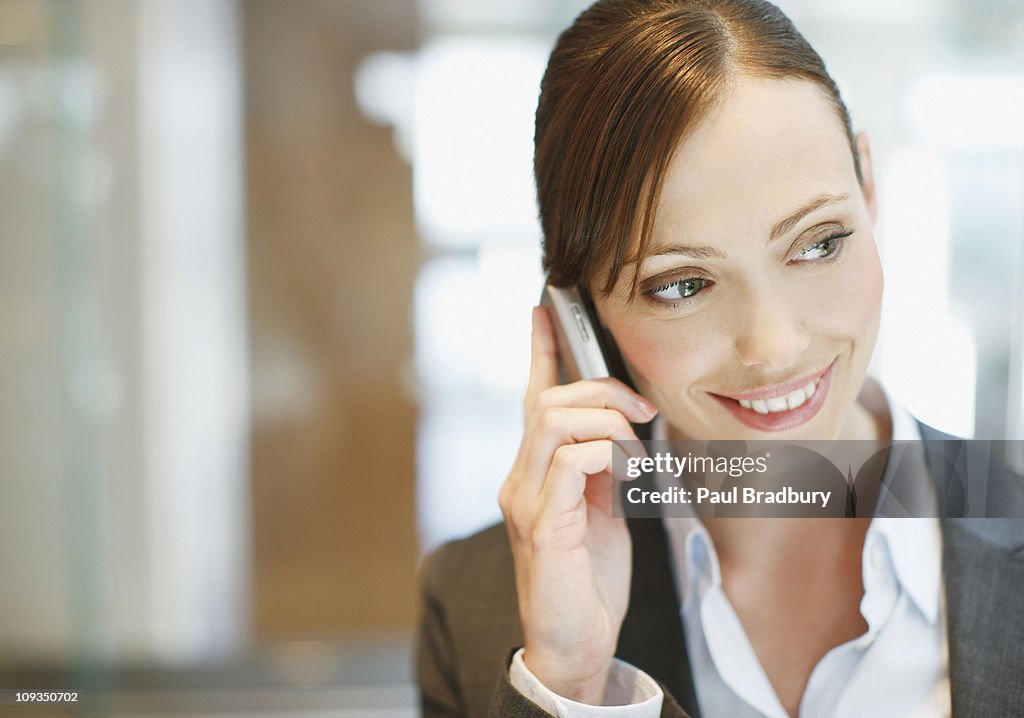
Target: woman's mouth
<point>780,407</point>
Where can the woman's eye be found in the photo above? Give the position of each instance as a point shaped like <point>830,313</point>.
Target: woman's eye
<point>824,249</point>
<point>680,289</point>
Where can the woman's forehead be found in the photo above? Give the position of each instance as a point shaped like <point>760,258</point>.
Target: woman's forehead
<point>766,149</point>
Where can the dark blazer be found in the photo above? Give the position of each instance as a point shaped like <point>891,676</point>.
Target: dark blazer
<point>470,628</point>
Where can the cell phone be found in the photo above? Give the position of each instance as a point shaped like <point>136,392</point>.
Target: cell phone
<point>586,349</point>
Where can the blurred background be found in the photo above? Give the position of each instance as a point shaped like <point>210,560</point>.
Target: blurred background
<point>266,271</point>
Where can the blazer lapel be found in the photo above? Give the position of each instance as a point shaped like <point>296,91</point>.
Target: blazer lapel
<point>652,633</point>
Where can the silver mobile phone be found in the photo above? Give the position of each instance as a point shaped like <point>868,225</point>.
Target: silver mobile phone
<point>580,354</point>
<point>586,349</point>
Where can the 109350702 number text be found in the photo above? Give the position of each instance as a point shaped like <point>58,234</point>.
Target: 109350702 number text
<point>45,696</point>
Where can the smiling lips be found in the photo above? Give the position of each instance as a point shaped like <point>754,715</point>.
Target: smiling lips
<point>782,403</point>
<point>780,407</point>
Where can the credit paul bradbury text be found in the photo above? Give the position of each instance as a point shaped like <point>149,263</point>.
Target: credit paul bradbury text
<point>748,495</point>
<point>734,466</point>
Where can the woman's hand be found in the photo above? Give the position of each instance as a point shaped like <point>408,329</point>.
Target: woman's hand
<point>572,558</point>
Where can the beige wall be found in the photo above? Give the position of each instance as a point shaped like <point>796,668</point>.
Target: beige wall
<point>332,256</point>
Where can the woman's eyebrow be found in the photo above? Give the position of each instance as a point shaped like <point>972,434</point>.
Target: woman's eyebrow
<point>787,223</point>
<point>694,252</point>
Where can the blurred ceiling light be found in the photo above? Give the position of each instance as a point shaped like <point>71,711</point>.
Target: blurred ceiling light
<point>935,351</point>
<point>286,382</point>
<point>385,85</point>
<point>922,345</point>
<point>876,12</point>
<point>464,448</point>
<point>97,388</point>
<point>447,302</point>
<point>484,14</point>
<point>81,94</point>
<point>980,111</point>
<point>512,272</point>
<point>472,321</point>
<point>916,210</point>
<point>473,139</point>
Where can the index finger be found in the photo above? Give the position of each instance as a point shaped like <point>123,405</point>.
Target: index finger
<point>543,356</point>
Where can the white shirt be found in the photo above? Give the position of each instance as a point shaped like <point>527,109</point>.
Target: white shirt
<point>899,667</point>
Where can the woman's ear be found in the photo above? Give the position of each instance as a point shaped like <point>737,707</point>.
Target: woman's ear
<point>868,175</point>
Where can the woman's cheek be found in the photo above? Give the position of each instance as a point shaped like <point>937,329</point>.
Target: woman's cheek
<point>850,301</point>
<point>863,292</point>
<point>663,360</point>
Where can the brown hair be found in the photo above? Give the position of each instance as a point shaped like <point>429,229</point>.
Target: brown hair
<point>624,85</point>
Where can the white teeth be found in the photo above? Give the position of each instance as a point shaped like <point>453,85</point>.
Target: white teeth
<point>796,399</point>
<point>776,404</point>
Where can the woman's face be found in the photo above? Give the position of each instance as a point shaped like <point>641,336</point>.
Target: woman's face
<point>763,280</point>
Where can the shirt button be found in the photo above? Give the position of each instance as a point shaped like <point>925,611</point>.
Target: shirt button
<point>699,552</point>
<point>877,556</point>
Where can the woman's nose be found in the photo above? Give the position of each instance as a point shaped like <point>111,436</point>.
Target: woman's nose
<point>770,333</point>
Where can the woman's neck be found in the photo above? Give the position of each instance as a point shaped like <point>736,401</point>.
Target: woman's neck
<point>866,422</point>
<point>871,413</point>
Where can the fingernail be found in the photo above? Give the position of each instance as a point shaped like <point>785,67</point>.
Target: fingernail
<point>647,408</point>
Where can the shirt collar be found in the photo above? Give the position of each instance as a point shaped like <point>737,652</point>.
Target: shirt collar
<point>914,544</point>
<point>915,548</point>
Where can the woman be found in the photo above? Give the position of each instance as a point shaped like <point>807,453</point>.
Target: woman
<point>698,176</point>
